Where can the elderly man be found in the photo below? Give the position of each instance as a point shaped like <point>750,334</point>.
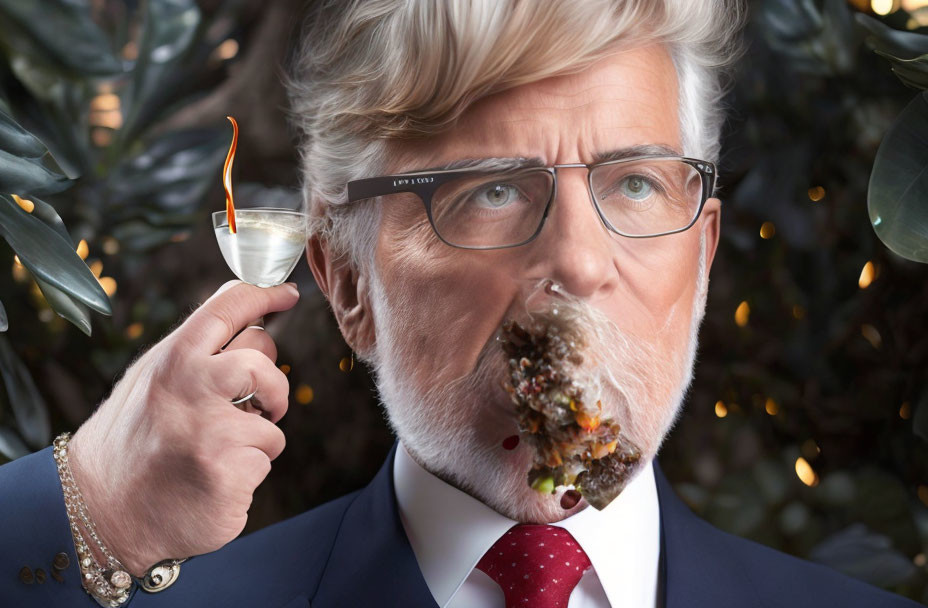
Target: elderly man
<point>468,165</point>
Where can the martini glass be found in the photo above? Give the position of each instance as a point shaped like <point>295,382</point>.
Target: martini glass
<point>266,246</point>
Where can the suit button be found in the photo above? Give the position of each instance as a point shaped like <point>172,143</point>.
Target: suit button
<point>25,575</point>
<point>56,574</point>
<point>62,561</point>
<point>39,576</point>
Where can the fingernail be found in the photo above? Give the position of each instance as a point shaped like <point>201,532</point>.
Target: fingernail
<point>293,287</point>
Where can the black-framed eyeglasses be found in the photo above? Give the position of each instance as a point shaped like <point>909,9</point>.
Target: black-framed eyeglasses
<point>637,197</point>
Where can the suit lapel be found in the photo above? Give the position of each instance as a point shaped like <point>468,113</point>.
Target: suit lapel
<point>697,567</point>
<point>372,563</point>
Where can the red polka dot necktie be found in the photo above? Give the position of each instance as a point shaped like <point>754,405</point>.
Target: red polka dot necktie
<point>535,565</point>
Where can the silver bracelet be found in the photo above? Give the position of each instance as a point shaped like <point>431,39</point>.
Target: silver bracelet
<point>110,585</point>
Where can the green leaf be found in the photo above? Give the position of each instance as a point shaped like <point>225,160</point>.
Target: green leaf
<point>897,198</point>
<point>170,176</point>
<point>62,33</point>
<point>912,72</point>
<point>813,40</point>
<point>29,409</point>
<point>23,162</point>
<point>907,52</point>
<point>66,306</point>
<point>50,257</point>
<point>884,39</point>
<point>11,445</point>
<point>139,236</point>
<point>26,176</point>
<point>169,31</point>
<point>4,323</point>
<point>18,141</point>
<point>47,214</point>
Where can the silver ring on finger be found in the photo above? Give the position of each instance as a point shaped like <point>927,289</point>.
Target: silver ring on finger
<point>245,398</point>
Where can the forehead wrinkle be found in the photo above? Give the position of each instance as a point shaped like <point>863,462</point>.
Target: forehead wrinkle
<point>642,85</point>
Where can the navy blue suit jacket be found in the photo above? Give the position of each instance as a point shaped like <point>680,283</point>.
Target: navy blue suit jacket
<point>353,552</point>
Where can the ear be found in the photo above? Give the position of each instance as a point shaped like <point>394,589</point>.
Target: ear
<point>711,222</point>
<point>348,292</point>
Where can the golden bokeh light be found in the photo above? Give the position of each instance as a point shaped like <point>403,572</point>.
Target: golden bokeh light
<point>135,331</point>
<point>26,205</point>
<point>905,410</point>
<point>805,473</point>
<point>285,368</point>
<point>923,494</point>
<point>816,193</point>
<point>720,410</point>
<point>771,407</point>
<point>867,275</point>
<point>104,102</point>
<point>346,364</point>
<point>101,137</point>
<point>110,119</point>
<point>304,394</point>
<point>871,335</point>
<point>883,7</point>
<point>742,314</point>
<point>83,249</point>
<point>96,267</point>
<point>20,274</point>
<point>767,230</point>
<point>798,312</point>
<point>227,50</point>
<point>110,246</point>
<point>130,51</point>
<point>108,284</point>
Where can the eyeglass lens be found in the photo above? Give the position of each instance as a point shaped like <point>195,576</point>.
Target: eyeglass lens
<point>638,198</point>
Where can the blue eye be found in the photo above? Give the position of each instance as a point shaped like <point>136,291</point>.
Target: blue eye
<point>497,195</point>
<point>636,187</point>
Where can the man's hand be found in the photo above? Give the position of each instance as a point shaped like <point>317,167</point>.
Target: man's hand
<point>167,465</point>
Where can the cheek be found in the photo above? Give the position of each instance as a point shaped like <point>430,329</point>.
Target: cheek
<point>446,302</point>
<point>659,279</point>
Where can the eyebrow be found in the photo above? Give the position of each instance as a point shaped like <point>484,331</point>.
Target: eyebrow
<point>505,164</point>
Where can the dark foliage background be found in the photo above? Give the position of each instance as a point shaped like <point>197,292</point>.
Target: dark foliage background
<point>807,422</point>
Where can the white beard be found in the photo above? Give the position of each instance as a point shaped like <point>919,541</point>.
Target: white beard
<point>454,430</point>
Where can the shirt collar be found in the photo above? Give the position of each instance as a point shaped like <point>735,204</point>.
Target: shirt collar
<point>450,531</point>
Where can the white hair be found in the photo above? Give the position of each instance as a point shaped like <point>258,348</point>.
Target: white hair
<point>371,71</point>
<point>451,430</point>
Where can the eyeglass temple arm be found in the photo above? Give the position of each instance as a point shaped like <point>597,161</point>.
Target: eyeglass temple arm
<point>422,185</point>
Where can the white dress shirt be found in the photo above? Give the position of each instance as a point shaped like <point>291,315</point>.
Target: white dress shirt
<point>450,531</point>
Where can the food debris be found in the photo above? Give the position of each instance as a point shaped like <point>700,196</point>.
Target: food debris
<point>573,443</point>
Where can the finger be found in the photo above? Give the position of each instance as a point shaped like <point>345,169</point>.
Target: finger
<point>238,373</point>
<point>222,316</point>
<point>256,339</point>
<point>257,432</point>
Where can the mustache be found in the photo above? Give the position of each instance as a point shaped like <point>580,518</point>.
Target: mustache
<point>612,365</point>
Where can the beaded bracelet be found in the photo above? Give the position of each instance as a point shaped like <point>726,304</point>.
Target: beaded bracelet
<point>111,586</point>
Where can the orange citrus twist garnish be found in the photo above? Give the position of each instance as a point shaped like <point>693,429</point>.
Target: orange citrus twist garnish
<point>227,176</point>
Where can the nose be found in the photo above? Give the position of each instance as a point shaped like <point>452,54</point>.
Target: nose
<point>574,247</point>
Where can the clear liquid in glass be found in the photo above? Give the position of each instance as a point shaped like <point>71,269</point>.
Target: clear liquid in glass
<point>266,246</point>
